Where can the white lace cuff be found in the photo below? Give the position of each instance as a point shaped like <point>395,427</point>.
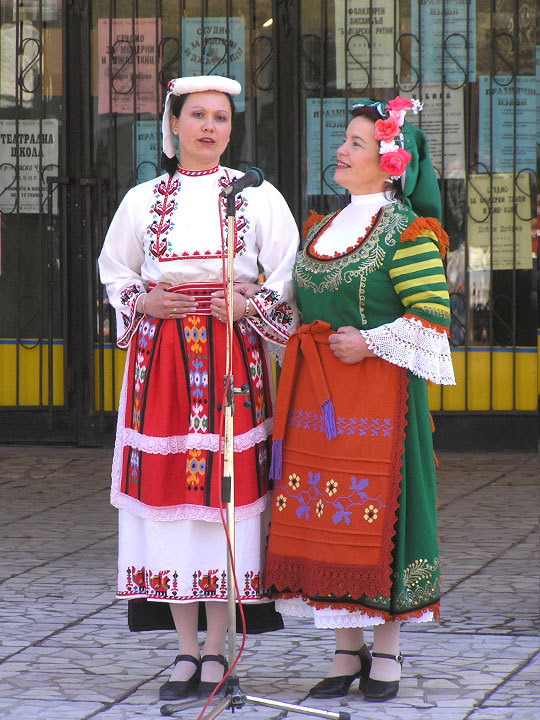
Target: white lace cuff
<point>406,342</point>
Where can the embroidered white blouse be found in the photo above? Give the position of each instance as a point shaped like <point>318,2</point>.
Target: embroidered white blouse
<point>171,230</point>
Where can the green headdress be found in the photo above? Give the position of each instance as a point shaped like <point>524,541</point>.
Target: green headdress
<point>405,155</point>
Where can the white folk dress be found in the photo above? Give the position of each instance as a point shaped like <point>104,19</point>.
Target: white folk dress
<point>164,479</point>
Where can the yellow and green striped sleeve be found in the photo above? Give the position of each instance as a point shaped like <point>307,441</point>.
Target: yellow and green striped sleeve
<point>418,277</point>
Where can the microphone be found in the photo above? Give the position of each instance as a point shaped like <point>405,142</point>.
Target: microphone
<point>253,178</point>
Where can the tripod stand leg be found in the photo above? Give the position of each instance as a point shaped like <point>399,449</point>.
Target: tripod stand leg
<point>171,709</point>
<point>341,715</point>
<point>174,708</point>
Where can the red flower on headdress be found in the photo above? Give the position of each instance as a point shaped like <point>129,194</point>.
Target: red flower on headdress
<point>398,104</point>
<point>394,163</point>
<point>170,85</point>
<point>386,130</point>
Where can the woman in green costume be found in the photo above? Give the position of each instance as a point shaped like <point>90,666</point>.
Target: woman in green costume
<point>353,538</point>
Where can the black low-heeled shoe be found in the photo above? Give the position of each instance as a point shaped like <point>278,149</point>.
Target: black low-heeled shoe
<point>178,689</point>
<point>206,687</point>
<point>339,685</point>
<point>381,690</point>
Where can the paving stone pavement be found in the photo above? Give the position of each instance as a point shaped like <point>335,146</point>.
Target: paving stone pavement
<point>66,651</point>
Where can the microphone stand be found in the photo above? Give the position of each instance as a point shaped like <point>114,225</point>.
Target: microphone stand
<point>235,698</point>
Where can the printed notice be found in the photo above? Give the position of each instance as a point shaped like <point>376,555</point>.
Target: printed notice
<point>499,220</point>
<point>18,45</point>
<point>148,155</point>
<point>445,56</point>
<point>215,48</point>
<point>28,156</point>
<point>507,123</point>
<point>329,116</point>
<point>128,68</point>
<point>38,10</point>
<point>443,108</point>
<point>364,43</point>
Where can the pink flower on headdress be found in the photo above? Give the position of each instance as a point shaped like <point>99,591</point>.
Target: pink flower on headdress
<point>386,130</point>
<point>398,104</point>
<point>170,85</point>
<point>394,163</point>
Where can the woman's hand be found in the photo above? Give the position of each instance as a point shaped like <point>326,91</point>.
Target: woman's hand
<point>242,291</point>
<point>349,346</point>
<point>160,303</point>
<point>247,289</point>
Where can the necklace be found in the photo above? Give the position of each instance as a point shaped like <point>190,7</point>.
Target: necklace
<point>197,173</point>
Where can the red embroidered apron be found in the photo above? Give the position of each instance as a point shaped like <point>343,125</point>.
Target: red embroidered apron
<point>335,502</point>
<point>174,405</point>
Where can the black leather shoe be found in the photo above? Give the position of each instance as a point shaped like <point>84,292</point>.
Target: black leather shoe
<point>178,689</point>
<point>338,686</point>
<point>381,690</point>
<point>206,687</point>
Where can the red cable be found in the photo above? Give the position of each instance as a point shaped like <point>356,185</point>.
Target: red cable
<point>230,553</point>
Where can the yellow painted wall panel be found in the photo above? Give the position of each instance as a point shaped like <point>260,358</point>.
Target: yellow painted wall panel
<point>30,355</point>
<point>109,402</point>
<point>454,395</point>
<point>526,381</point>
<point>504,371</point>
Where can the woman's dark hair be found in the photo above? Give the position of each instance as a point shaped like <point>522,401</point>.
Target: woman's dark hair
<point>177,103</point>
<point>371,113</point>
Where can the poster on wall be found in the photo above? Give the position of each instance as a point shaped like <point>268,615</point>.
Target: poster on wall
<point>146,142</point>
<point>507,123</point>
<point>329,116</point>
<point>459,26</point>
<point>128,67</point>
<point>47,10</point>
<point>493,226</point>
<point>223,48</point>
<point>364,43</point>
<point>28,155</point>
<point>19,71</point>
<point>442,122</point>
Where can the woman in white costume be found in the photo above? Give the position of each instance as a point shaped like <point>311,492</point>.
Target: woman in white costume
<point>162,264</point>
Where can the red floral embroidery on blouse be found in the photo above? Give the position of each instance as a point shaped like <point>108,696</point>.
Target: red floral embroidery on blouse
<point>337,254</point>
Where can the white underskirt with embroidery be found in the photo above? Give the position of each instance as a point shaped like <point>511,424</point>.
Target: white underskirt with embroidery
<point>186,560</point>
<point>408,343</point>
<point>332,619</point>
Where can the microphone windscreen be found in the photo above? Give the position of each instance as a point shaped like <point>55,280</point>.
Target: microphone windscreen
<point>259,174</point>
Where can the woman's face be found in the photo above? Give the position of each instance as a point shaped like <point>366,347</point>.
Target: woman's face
<point>358,159</point>
<point>203,129</point>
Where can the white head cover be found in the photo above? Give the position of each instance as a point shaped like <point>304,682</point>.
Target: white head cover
<point>184,86</point>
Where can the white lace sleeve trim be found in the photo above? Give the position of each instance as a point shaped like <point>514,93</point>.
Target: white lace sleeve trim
<point>194,441</point>
<point>408,343</point>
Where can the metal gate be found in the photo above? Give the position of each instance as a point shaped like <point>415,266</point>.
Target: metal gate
<point>472,63</point>
<point>87,82</point>
<point>35,332</point>
<point>81,90</point>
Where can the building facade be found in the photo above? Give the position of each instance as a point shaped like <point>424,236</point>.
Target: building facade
<point>82,84</point>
